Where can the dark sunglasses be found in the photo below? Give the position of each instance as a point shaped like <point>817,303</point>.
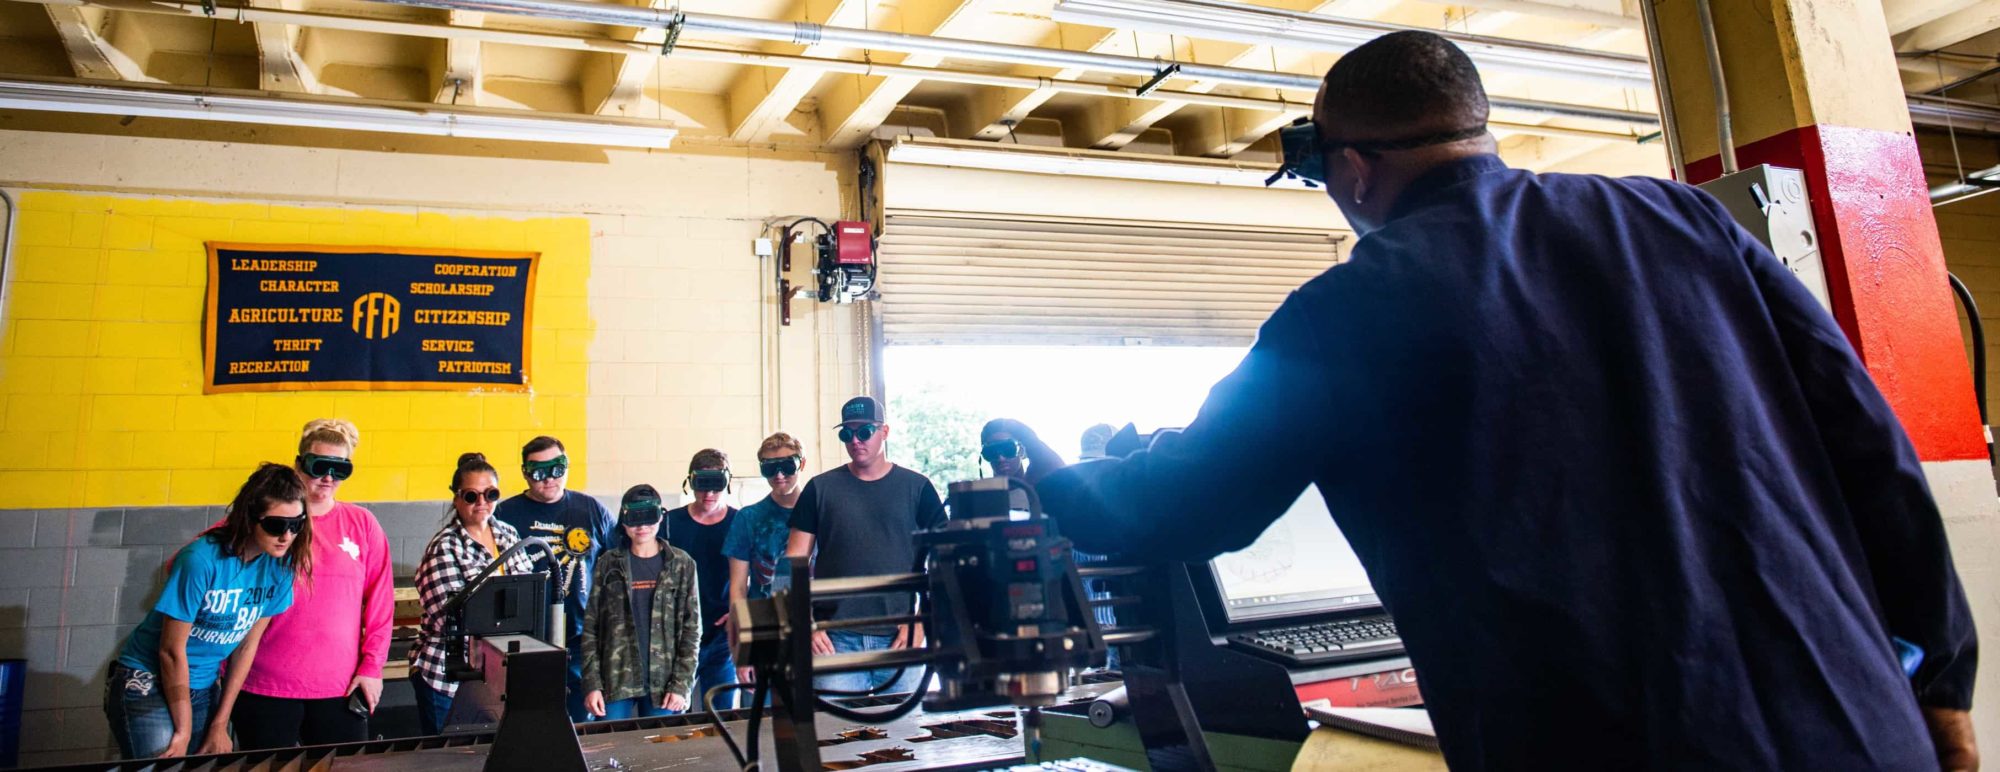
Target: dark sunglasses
<point>279,526</point>
<point>777,467</point>
<point>325,466</point>
<point>472,497</point>
<point>862,433</point>
<point>641,513</point>
<point>999,449</point>
<point>546,470</point>
<point>709,479</point>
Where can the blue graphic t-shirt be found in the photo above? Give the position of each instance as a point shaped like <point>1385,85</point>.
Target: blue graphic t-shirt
<point>222,596</point>
<point>758,538</point>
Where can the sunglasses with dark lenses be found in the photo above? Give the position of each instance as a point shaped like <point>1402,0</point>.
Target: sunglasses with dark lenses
<point>862,433</point>
<point>999,449</point>
<point>325,466</point>
<point>776,467</point>
<point>709,479</point>
<point>472,497</point>
<point>546,470</point>
<point>640,513</point>
<point>279,526</point>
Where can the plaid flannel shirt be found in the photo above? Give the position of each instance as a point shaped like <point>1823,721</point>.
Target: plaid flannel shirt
<point>451,559</point>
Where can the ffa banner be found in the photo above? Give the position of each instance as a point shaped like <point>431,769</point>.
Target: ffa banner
<point>293,318</point>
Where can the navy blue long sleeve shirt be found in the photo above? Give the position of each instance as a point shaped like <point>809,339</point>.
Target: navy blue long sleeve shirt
<point>1631,496</point>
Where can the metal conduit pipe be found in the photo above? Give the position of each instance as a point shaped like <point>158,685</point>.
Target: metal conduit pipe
<point>7,245</point>
<point>1974,185</point>
<point>1956,114</point>
<point>1668,125</point>
<point>1725,132</point>
<point>806,33</point>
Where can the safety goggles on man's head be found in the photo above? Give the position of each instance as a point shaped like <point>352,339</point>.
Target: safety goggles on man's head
<point>640,513</point>
<point>705,480</point>
<point>546,470</point>
<point>859,433</point>
<point>279,526</point>
<point>317,466</point>
<point>779,467</point>
<point>999,449</point>
<point>1305,151</point>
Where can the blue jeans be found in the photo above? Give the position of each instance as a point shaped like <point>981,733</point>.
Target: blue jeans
<point>433,706</point>
<point>715,667</point>
<point>846,641</point>
<point>637,707</point>
<point>136,707</point>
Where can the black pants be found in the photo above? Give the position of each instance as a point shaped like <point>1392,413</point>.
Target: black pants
<point>275,722</point>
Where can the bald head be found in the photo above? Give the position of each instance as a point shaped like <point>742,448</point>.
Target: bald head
<point>1399,87</point>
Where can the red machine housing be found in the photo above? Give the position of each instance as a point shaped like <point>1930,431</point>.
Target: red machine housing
<point>853,243</point>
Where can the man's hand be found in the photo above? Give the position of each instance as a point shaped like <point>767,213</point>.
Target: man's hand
<point>593,703</point>
<point>217,741</point>
<point>1951,732</point>
<point>908,637</point>
<point>177,745</point>
<point>371,690</point>
<point>821,643</point>
<point>675,702</point>
<point>746,675</point>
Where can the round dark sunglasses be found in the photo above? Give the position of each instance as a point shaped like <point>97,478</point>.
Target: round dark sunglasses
<point>472,497</point>
<point>862,433</point>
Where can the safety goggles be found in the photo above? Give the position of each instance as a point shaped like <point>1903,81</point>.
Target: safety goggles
<point>472,497</point>
<point>1304,151</point>
<point>999,449</point>
<point>546,470</point>
<point>643,512</point>
<point>709,479</point>
<point>279,526</point>
<point>862,433</point>
<point>315,466</point>
<point>779,467</point>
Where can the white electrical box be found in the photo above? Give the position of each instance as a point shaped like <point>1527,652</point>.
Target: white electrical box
<point>1770,202</point>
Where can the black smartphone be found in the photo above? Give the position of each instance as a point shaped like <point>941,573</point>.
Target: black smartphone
<point>357,704</point>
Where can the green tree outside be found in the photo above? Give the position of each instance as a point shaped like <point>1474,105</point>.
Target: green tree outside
<point>934,435</point>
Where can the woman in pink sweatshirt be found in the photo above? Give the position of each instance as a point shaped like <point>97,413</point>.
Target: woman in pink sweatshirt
<point>318,674</point>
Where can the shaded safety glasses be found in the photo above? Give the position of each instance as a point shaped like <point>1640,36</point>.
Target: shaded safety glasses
<point>472,497</point>
<point>315,466</point>
<point>546,470</point>
<point>641,513</point>
<point>777,467</point>
<point>279,526</point>
<point>999,449</point>
<point>862,433</point>
<point>709,479</point>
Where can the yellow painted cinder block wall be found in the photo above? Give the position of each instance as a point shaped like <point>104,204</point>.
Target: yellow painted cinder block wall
<point>100,355</point>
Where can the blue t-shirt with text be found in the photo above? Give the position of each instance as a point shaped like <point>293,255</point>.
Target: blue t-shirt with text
<point>757,537</point>
<point>218,593</point>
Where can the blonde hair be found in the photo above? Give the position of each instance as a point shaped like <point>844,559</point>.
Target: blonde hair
<point>780,441</point>
<point>332,431</point>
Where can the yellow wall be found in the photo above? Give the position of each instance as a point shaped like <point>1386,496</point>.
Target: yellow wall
<point>101,355</point>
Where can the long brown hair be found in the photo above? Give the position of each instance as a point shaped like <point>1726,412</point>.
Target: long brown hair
<point>270,484</point>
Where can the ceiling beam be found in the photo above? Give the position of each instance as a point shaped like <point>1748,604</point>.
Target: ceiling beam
<point>1015,105</point>
<point>279,66</point>
<point>1906,15</point>
<point>1967,23</point>
<point>761,101</point>
<point>858,104</point>
<point>91,53</point>
<point>613,85</point>
<point>456,70</point>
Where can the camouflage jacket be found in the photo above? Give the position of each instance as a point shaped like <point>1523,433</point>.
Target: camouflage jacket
<point>610,642</point>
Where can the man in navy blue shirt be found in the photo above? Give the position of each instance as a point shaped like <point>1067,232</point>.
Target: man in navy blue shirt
<point>576,526</point>
<point>1628,491</point>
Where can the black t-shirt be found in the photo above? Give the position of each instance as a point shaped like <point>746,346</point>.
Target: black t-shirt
<point>867,528</point>
<point>645,577</point>
<point>711,569</point>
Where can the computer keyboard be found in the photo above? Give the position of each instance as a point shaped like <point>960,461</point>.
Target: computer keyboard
<point>1324,642</point>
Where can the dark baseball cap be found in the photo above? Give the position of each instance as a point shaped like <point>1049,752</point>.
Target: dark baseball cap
<point>862,410</point>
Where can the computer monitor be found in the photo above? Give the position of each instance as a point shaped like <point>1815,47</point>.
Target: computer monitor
<point>1300,566</point>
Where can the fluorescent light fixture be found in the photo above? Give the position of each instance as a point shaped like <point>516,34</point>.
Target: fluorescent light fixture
<point>1082,163</point>
<point>1237,22</point>
<point>323,113</point>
